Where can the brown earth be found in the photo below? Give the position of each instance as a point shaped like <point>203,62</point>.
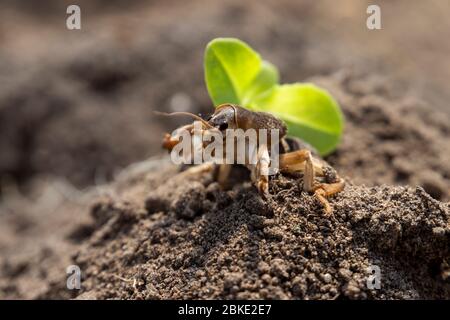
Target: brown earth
<point>204,243</point>
<point>76,108</point>
<point>157,232</point>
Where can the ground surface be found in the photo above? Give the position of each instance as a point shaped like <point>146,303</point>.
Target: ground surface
<point>157,232</point>
<point>76,108</point>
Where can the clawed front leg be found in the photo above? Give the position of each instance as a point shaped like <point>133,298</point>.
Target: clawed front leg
<point>294,162</point>
<point>302,161</point>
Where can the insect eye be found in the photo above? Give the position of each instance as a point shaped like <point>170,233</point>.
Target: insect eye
<point>223,126</point>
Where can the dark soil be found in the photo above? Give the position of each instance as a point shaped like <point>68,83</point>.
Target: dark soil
<point>76,109</point>
<point>195,241</point>
<point>390,141</point>
<point>158,232</point>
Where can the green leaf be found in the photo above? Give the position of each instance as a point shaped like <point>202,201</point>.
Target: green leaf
<point>230,68</point>
<point>235,73</point>
<point>267,77</point>
<point>310,113</point>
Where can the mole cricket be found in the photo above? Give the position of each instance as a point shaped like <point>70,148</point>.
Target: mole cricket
<point>315,176</point>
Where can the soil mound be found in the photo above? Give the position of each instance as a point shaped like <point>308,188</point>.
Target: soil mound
<point>159,232</point>
<point>191,240</point>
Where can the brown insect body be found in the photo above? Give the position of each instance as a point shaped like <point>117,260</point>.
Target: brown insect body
<point>246,119</point>
<point>317,176</point>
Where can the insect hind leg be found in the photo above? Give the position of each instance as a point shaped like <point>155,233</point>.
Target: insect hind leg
<point>324,190</point>
<point>302,161</point>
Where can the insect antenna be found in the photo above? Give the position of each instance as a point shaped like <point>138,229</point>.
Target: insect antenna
<point>178,113</point>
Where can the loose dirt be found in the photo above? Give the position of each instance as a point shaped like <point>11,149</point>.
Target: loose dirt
<point>76,109</point>
<point>158,232</point>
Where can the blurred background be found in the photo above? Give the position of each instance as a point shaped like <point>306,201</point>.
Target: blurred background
<point>78,103</point>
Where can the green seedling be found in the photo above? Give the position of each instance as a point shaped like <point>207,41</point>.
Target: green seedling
<point>236,74</point>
